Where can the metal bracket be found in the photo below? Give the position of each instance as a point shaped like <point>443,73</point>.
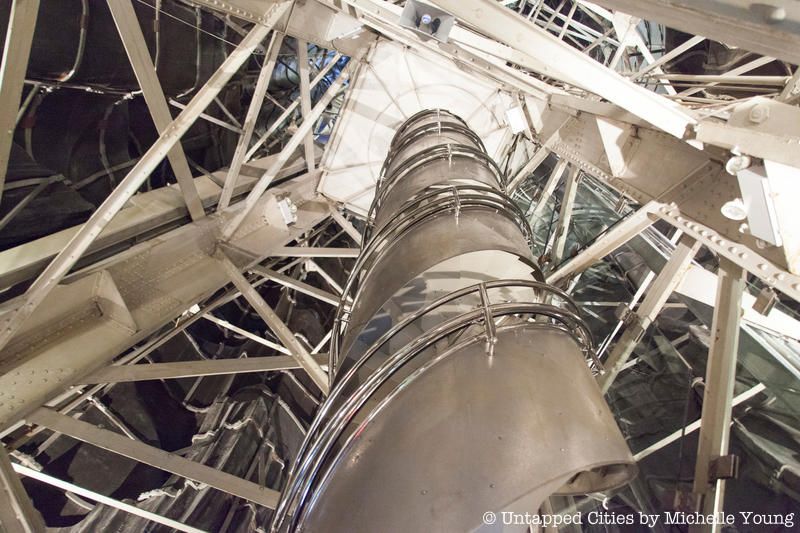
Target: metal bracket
<point>765,301</point>
<point>725,467</point>
<point>457,202</point>
<point>623,312</point>
<point>632,321</point>
<point>488,321</point>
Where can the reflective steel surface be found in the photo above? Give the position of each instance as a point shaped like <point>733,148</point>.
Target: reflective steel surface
<point>461,382</point>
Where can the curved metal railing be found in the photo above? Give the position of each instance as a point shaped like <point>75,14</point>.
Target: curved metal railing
<point>398,254</point>
<point>425,113</point>
<point>337,412</point>
<point>433,202</point>
<point>436,153</point>
<point>439,128</point>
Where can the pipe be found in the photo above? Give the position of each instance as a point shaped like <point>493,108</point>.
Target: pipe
<point>461,381</point>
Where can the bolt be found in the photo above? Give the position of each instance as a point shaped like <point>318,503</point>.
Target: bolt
<point>737,163</point>
<point>759,113</point>
<point>775,14</point>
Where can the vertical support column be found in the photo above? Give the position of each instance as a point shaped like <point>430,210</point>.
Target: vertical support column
<point>139,56</point>
<point>715,421</point>
<point>16,52</point>
<point>665,284</point>
<point>250,120</point>
<point>305,100</point>
<point>565,215</point>
<point>17,513</point>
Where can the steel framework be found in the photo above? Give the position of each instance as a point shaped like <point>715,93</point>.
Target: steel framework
<point>598,101</point>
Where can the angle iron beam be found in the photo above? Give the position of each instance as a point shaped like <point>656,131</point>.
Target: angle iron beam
<point>305,99</point>
<point>295,284</point>
<point>565,215</point>
<point>260,91</point>
<point>719,383</point>
<point>150,455</point>
<point>346,225</point>
<point>104,500</point>
<point>615,237</point>
<point>663,286</point>
<point>139,55</point>
<point>310,251</point>
<point>16,51</point>
<point>177,274</point>
<point>290,109</point>
<point>278,327</point>
<point>567,63</point>
<point>64,261</point>
<point>295,140</point>
<point>17,513</point>
<point>192,369</point>
<point>735,23</point>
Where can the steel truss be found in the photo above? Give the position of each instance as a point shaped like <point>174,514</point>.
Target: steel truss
<point>648,120</point>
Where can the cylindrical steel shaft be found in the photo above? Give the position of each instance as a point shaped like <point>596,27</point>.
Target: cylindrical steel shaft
<point>460,382</point>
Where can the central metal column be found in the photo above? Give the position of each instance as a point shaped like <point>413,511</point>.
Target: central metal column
<point>461,381</point>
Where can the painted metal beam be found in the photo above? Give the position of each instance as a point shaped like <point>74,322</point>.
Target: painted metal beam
<point>157,280</point>
<point>565,215</point>
<point>295,140</point>
<point>305,99</point>
<point>763,28</point>
<point>737,253</point>
<point>144,453</point>
<point>569,64</point>
<point>260,91</point>
<point>154,212</point>
<point>16,51</point>
<point>615,237</point>
<point>663,286</point>
<point>346,225</point>
<point>281,330</point>
<point>244,333</point>
<point>533,163</point>
<point>139,55</point>
<point>290,109</point>
<point>720,379</point>
<point>209,118</point>
<point>550,185</point>
<point>132,357</point>
<point>64,261</point>
<point>193,369</point>
<point>17,513</point>
<point>101,499</point>
<point>295,284</point>
<point>22,204</point>
<point>694,426</point>
<point>541,153</point>
<point>310,251</point>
